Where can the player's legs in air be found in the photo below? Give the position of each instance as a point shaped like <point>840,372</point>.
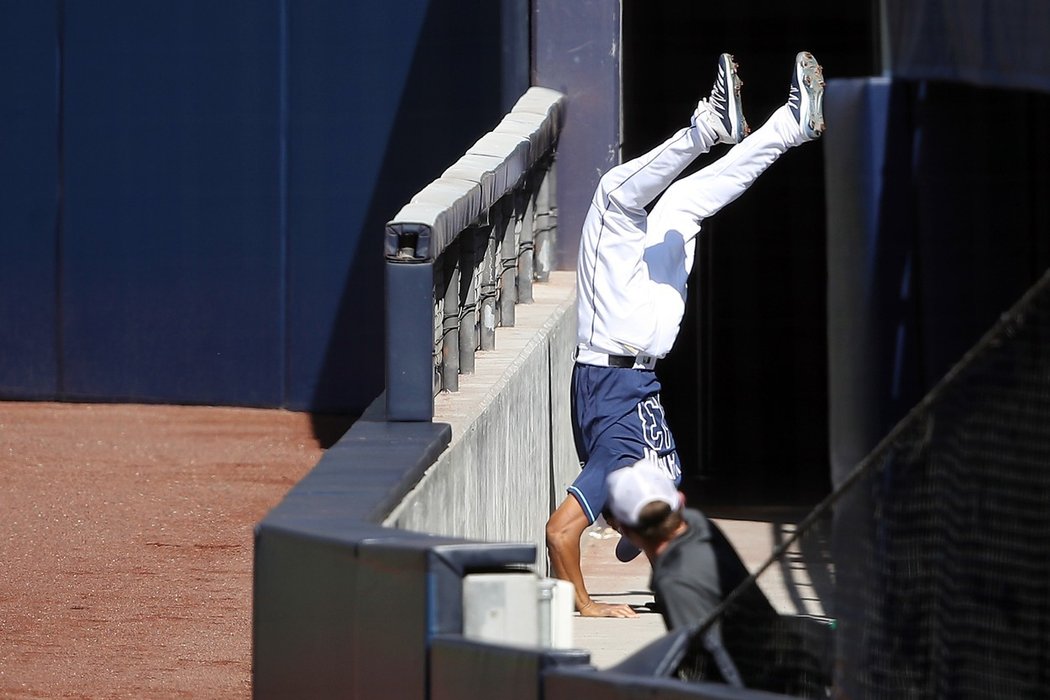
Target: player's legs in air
<point>611,283</point>
<point>615,288</point>
<point>694,198</point>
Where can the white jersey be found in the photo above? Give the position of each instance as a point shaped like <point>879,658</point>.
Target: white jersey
<point>633,268</point>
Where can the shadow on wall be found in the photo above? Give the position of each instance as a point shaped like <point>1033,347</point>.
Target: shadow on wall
<point>451,95</point>
<point>329,427</point>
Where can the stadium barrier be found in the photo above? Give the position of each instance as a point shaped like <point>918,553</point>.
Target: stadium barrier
<point>357,593</point>
<point>938,538</point>
<point>465,250</point>
<point>344,606</point>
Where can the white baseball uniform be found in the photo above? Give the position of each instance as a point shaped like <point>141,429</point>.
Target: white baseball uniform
<point>633,267</point>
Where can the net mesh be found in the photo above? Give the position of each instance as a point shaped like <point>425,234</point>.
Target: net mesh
<point>935,550</point>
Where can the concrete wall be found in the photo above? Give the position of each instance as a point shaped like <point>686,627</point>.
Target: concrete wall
<point>511,454</point>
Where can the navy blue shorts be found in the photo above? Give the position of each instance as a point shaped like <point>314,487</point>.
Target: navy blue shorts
<point>617,419</point>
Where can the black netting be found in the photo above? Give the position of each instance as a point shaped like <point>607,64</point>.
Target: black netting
<point>940,543</point>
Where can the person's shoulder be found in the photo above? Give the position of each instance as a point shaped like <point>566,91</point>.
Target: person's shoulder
<point>697,533</point>
<point>699,525</point>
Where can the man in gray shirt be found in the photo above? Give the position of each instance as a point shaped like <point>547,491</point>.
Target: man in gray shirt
<point>694,565</point>
<point>695,568</point>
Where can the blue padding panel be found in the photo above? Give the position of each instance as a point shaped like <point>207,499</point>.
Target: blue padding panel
<point>348,611</point>
<point>575,57</point>
<point>173,257</point>
<point>463,668</point>
<point>579,683</point>
<point>410,364</point>
<point>999,45</point>
<point>980,212</point>
<point>370,470</point>
<point>372,119</point>
<point>871,264</point>
<point>29,186</point>
<point>303,597</point>
<point>933,231</point>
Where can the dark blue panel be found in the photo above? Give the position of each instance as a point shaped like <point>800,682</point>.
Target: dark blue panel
<point>868,258</point>
<point>383,98</point>
<point>28,197</point>
<point>578,54</point>
<point>980,213</point>
<point>993,44</point>
<point>173,256</point>
<point>468,668</point>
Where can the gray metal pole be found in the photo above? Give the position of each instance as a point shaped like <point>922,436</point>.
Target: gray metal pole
<point>508,286</point>
<point>468,285</point>
<point>489,275</point>
<point>450,319</point>
<point>526,241</point>
<point>546,219</point>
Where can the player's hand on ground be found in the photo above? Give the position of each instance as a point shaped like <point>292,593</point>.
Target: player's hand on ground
<point>596,609</point>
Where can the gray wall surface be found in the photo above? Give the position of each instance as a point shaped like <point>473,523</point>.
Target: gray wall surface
<point>511,454</point>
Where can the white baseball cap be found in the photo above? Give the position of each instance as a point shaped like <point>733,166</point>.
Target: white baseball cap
<point>634,487</point>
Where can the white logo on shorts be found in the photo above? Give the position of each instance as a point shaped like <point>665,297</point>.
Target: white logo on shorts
<point>658,436</point>
<point>654,424</point>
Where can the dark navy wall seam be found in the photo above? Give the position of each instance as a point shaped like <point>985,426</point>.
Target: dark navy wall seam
<point>283,233</point>
<point>60,196</point>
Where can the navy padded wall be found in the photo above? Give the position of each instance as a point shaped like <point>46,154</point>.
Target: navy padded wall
<point>974,41</point>
<point>578,53</point>
<point>173,257</point>
<point>934,229</point>
<point>29,187</point>
<point>873,344</point>
<point>980,212</point>
<point>226,171</point>
<point>382,98</point>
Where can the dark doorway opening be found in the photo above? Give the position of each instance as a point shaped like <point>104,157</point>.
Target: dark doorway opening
<point>746,385</point>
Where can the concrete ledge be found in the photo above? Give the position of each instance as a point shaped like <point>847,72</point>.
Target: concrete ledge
<point>511,453</point>
<point>360,566</point>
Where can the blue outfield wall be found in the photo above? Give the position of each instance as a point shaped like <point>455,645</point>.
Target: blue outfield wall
<point>28,198</point>
<point>171,245</point>
<point>194,193</point>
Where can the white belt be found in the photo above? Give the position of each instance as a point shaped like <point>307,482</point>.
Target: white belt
<point>587,356</point>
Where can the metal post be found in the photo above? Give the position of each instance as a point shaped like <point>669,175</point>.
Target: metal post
<point>526,240</point>
<point>546,219</point>
<point>508,293</point>
<point>489,275</point>
<point>450,319</point>
<point>468,294</point>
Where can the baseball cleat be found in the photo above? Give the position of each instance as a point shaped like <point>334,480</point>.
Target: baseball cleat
<point>724,106</point>
<point>806,96</point>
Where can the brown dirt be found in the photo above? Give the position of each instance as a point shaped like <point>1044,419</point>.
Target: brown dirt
<point>126,544</point>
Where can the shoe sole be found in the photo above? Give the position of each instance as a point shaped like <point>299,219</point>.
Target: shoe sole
<point>811,81</point>
<point>735,106</point>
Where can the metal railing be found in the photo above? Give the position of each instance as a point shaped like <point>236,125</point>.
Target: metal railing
<point>465,250</point>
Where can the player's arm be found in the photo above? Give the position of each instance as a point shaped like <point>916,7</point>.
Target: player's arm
<point>564,530</point>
